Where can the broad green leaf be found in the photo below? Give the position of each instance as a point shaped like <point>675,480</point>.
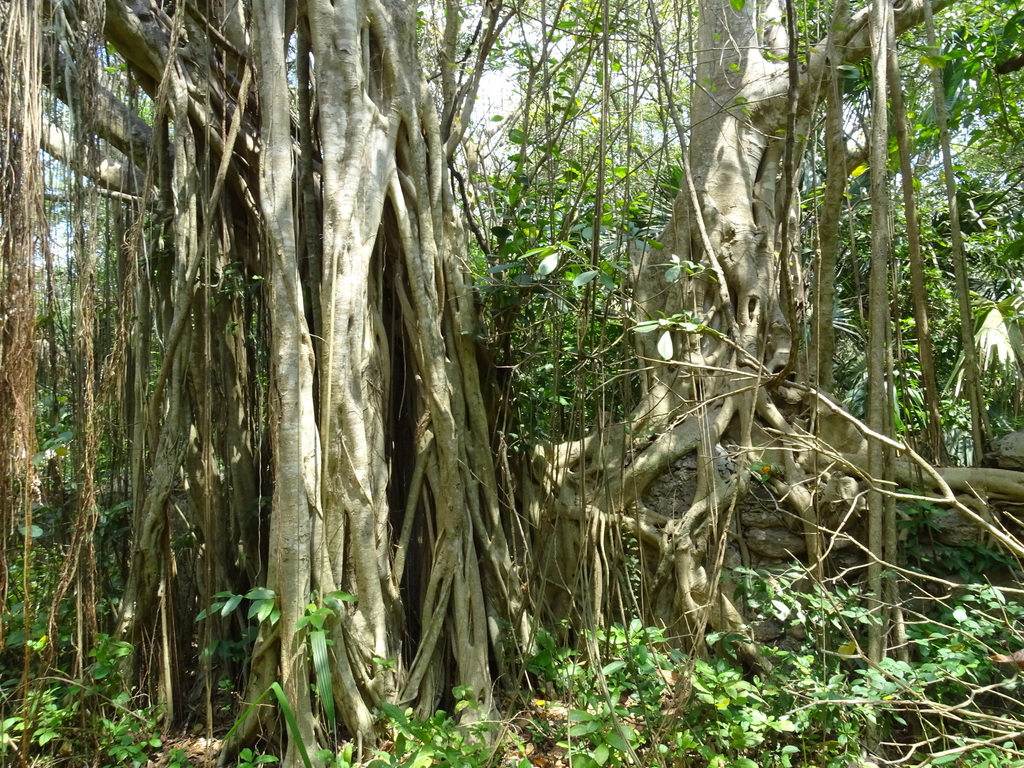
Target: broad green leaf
<point>338,596</point>
<point>261,609</point>
<point>583,729</point>
<point>665,347</point>
<point>616,740</point>
<point>43,737</point>
<point>549,265</point>
<point>584,277</point>
<point>737,4</point>
<point>543,251</point>
<point>613,667</point>
<point>230,605</point>
<point>322,666</point>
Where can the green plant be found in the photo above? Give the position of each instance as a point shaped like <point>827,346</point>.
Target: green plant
<point>177,758</point>
<point>331,759</point>
<point>108,653</point>
<point>551,662</point>
<point>438,740</point>
<point>833,691</point>
<point>129,738</point>
<point>973,562</point>
<point>289,718</point>
<point>249,759</point>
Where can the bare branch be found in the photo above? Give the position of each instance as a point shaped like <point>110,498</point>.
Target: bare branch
<point>107,172</point>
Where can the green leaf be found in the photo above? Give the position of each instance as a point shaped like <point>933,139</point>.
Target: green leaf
<point>322,666</point>
<point>584,277</point>
<point>338,596</point>
<point>230,605</point>
<point>737,5</point>
<point>261,609</point>
<point>582,729</point>
<point>293,724</point>
<point>260,593</point>
<point>395,713</point>
<point>548,265</point>
<point>616,740</point>
<point>45,736</point>
<point>613,667</point>
<point>665,347</point>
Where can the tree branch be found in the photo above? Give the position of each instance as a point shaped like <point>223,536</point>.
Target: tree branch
<point>107,172</point>
<point>1011,65</point>
<point>849,41</point>
<point>114,121</point>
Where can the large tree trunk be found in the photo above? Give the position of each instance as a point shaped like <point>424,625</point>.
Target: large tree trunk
<point>384,486</point>
<point>720,377</point>
<point>383,483</point>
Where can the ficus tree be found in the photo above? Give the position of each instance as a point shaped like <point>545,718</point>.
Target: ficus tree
<point>299,361</point>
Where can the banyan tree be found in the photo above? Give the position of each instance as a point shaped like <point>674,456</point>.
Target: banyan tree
<point>296,376</point>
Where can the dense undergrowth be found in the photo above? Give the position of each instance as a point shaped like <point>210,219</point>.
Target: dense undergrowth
<point>624,694</point>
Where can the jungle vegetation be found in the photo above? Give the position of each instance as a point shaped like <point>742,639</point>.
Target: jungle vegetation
<point>514,382</point>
